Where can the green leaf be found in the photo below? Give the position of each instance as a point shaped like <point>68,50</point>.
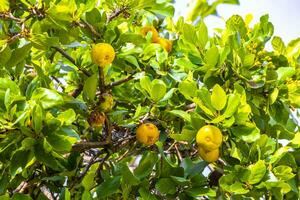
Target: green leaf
<point>67,117</point>
<point>146,194</point>
<point>5,54</point>
<point>146,165</point>
<point>47,98</point>
<point>182,114</point>
<point>249,60</point>
<point>258,171</point>
<point>246,133</point>
<point>212,56</point>
<point>165,186</point>
<point>4,5</point>
<point>285,73</point>
<point>18,55</point>
<point>186,134</point>
<point>90,87</point>
<point>65,194</point>
<point>202,35</point>
<point>19,160</point>
<point>37,118</point>
<point>146,83</point>
<point>230,184</point>
<point>158,90</point>
<point>218,97</point>
<point>93,17</point>
<point>88,180</point>
<point>60,141</point>
<point>109,186</point>
<point>201,191</point>
<point>232,105</point>
<point>283,172</point>
<point>46,157</point>
<point>43,41</point>
<point>273,96</point>
<point>188,88</point>
<point>278,45</point>
<point>20,196</point>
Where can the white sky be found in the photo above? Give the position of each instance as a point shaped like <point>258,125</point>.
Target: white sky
<point>284,14</point>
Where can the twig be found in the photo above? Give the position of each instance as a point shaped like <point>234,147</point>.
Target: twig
<point>101,80</point>
<point>119,82</point>
<point>9,16</point>
<point>84,24</point>
<point>59,82</point>
<point>178,152</point>
<point>77,91</point>
<point>67,56</point>
<point>82,146</point>
<point>116,13</point>
<point>102,163</point>
<point>86,169</point>
<point>47,192</point>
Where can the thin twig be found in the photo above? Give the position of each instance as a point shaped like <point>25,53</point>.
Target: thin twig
<point>84,24</point>
<point>119,82</point>
<point>67,56</point>
<point>116,13</point>
<point>75,93</point>
<point>9,16</point>
<point>82,146</point>
<point>101,80</point>
<point>59,82</point>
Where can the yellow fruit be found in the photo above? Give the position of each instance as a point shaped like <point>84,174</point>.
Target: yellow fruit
<point>103,54</point>
<point>147,134</point>
<point>146,29</point>
<point>209,137</point>
<point>166,44</point>
<point>107,102</point>
<point>96,119</point>
<point>208,156</point>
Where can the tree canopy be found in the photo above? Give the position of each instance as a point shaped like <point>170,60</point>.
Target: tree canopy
<point>69,119</point>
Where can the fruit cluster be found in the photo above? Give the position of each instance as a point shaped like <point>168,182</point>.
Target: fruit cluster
<point>209,139</point>
<point>165,43</point>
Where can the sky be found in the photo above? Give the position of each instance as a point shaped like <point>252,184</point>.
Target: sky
<point>284,14</point>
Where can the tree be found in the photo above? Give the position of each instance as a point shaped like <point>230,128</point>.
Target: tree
<point>68,126</point>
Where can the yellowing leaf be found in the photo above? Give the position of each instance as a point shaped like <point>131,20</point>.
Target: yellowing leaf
<point>218,97</point>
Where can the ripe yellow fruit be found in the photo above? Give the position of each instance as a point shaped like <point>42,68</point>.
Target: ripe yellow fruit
<point>107,102</point>
<point>147,134</point>
<point>146,29</point>
<point>166,44</point>
<point>208,156</point>
<point>209,137</point>
<point>96,119</point>
<point>103,54</point>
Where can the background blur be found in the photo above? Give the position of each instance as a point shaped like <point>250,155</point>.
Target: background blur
<point>284,14</point>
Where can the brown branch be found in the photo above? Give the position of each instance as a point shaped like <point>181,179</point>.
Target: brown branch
<point>75,93</point>
<point>82,146</point>
<point>84,24</point>
<point>59,82</point>
<point>116,13</point>
<point>119,82</point>
<point>9,16</point>
<point>101,80</point>
<point>67,56</point>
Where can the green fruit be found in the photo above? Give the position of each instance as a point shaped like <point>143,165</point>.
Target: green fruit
<point>107,102</point>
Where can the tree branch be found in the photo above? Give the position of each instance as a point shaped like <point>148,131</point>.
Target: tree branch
<point>77,91</point>
<point>116,13</point>
<point>84,24</point>
<point>67,56</point>
<point>119,82</point>
<point>82,146</point>
<point>101,80</point>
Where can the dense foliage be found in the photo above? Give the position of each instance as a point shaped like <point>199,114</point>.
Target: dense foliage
<point>60,139</point>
